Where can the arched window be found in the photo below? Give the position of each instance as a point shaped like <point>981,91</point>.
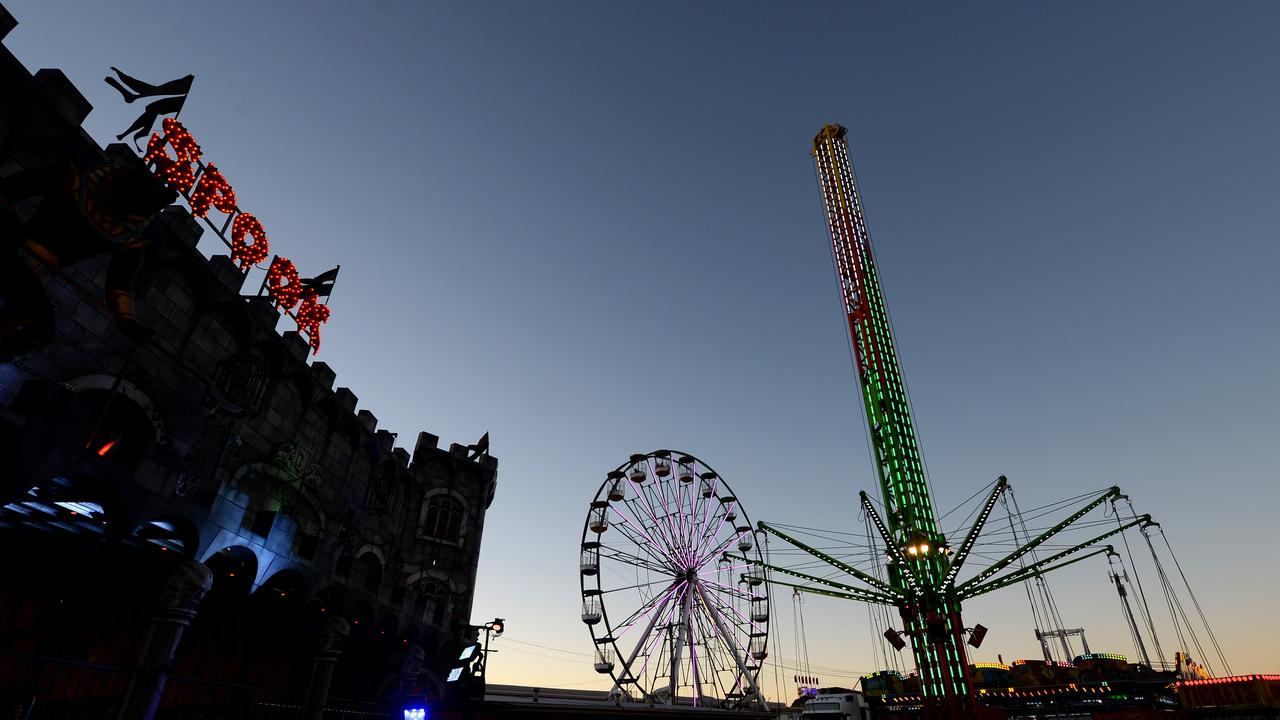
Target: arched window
<point>368,575</point>
<point>432,603</point>
<point>443,518</point>
<point>306,538</point>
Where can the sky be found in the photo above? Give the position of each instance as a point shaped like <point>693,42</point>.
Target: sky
<point>593,229</point>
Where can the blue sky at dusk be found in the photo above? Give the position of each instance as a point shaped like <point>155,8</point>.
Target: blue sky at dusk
<point>593,229</point>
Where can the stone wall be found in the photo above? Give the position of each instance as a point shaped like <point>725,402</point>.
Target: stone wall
<point>215,435</point>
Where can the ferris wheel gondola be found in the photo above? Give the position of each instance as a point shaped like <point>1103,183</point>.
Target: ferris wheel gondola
<point>670,609</point>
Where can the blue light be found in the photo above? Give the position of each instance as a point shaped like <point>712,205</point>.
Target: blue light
<point>415,714</point>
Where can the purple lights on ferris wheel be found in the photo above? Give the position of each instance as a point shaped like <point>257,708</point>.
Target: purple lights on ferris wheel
<point>658,594</point>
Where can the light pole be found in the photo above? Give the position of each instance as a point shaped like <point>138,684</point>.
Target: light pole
<point>491,629</point>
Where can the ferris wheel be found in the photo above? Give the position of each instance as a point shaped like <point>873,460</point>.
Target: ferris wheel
<point>672,604</point>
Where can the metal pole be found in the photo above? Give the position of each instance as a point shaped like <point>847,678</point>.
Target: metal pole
<point>729,643</point>
<point>657,613</point>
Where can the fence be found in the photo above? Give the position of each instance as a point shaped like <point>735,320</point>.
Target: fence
<point>35,687</point>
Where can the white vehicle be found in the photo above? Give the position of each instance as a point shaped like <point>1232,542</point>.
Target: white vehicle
<point>843,705</point>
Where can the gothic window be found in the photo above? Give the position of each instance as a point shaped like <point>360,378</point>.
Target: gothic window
<point>380,494</point>
<point>239,383</point>
<point>306,539</point>
<point>368,576</point>
<point>432,603</point>
<point>443,518</point>
<point>259,516</point>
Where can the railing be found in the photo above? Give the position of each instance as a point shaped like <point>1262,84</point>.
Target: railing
<point>36,687</point>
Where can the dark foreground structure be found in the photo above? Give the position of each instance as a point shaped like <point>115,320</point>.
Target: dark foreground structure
<point>194,522</point>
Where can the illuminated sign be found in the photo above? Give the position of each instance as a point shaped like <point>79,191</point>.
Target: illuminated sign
<point>415,714</point>
<point>176,158</point>
<point>455,674</point>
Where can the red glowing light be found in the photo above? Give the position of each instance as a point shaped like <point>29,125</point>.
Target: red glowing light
<point>249,244</point>
<point>212,190</point>
<point>176,172</point>
<point>311,315</point>
<point>246,226</point>
<point>102,451</point>
<point>283,282</point>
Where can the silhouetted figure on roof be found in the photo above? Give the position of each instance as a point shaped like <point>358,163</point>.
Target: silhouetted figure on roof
<point>132,88</point>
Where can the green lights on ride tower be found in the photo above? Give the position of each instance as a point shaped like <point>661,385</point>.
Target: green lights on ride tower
<point>919,552</point>
<point>923,567</point>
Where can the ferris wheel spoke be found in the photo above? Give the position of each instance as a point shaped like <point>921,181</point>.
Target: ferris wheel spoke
<point>689,500</point>
<point>627,674</point>
<point>709,548</point>
<point>677,514</point>
<point>704,503</point>
<point>721,587</point>
<point>638,586</point>
<point>731,615</point>
<point>738,621</point>
<point>739,660</point>
<point>715,552</point>
<point>626,528</point>
<point>709,534</point>
<point>657,546</point>
<point>736,652</point>
<point>664,540</point>
<point>682,514</point>
<point>708,632</point>
<point>672,533</point>
<point>670,517</point>
<point>651,640</point>
<point>671,514</point>
<point>655,604</point>
<point>634,560</point>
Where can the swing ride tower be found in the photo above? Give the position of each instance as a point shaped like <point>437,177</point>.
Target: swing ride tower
<point>922,566</point>
<point>931,615</point>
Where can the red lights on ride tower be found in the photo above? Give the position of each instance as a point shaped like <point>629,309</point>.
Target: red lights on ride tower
<point>176,156</point>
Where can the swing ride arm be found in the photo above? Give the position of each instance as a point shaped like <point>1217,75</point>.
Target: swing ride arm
<point>967,546</point>
<point>855,592</point>
<point>1042,566</point>
<point>833,562</point>
<point>1032,545</point>
<point>1028,573</point>
<point>830,593</point>
<point>891,545</point>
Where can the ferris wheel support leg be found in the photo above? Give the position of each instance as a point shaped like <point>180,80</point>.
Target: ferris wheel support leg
<point>729,643</point>
<point>657,613</point>
<point>678,650</point>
